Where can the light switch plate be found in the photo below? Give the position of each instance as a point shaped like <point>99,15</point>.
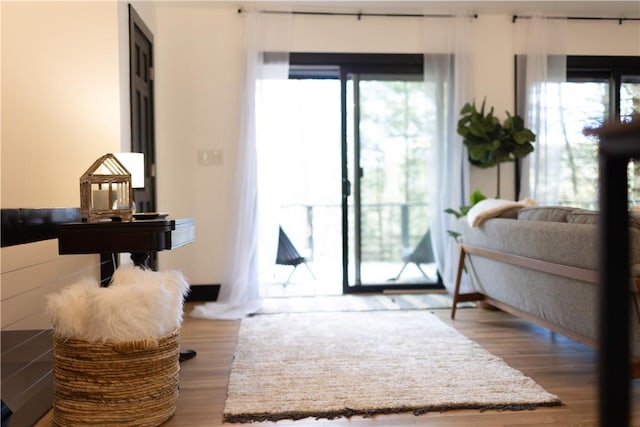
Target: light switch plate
<point>210,157</point>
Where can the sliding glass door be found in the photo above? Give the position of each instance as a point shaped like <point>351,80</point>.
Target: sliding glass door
<point>386,153</point>
<point>354,198</point>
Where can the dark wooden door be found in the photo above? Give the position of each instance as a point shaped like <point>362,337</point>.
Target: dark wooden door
<point>142,111</point>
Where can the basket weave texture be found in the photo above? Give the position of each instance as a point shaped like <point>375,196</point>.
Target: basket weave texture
<point>128,383</point>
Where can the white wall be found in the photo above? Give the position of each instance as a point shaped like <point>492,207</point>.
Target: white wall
<point>60,98</point>
<point>198,62</point>
<point>198,87</point>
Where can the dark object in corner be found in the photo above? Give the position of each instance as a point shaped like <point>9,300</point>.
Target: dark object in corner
<point>6,413</point>
<point>201,293</point>
<point>187,355</point>
<point>24,225</point>
<point>618,144</point>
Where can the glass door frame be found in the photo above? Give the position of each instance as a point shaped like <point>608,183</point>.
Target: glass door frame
<point>352,189</point>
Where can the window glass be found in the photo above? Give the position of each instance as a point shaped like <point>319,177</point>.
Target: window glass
<point>597,90</point>
<point>629,106</point>
<point>585,105</point>
<point>392,146</point>
<point>629,97</point>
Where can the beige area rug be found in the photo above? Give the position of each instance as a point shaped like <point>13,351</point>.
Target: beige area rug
<point>328,365</point>
<point>369,302</point>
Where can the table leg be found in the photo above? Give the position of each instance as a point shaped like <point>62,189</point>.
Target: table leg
<point>141,259</point>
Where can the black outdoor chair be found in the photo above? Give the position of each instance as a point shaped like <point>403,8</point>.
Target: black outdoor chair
<point>289,255</point>
<point>422,254</point>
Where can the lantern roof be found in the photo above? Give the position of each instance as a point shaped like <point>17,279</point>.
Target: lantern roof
<point>107,165</point>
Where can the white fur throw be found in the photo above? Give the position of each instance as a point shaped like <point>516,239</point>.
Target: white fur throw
<point>138,304</point>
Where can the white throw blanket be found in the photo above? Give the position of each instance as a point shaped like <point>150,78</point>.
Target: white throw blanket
<point>138,304</point>
<point>491,208</point>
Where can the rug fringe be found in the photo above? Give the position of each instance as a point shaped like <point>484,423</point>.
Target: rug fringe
<point>367,413</point>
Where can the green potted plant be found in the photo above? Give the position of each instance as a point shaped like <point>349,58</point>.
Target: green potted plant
<point>474,198</point>
<point>491,142</point>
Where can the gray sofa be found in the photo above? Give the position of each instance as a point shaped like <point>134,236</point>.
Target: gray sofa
<point>540,263</point>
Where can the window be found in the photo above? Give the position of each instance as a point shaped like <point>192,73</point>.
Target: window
<point>597,90</point>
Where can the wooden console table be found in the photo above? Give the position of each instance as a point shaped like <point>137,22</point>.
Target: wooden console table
<point>138,237</point>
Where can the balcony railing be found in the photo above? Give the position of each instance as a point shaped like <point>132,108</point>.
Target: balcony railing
<point>387,228</point>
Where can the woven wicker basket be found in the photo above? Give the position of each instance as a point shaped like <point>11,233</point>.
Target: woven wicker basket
<point>129,383</point>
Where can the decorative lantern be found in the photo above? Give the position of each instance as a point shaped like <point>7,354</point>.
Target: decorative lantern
<point>106,191</point>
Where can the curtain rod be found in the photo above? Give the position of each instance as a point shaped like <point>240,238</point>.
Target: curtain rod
<point>359,15</point>
<point>578,18</point>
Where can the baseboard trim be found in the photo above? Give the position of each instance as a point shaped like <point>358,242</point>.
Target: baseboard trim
<point>203,293</point>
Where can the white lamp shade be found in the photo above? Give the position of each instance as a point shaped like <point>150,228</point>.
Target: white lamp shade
<point>134,163</point>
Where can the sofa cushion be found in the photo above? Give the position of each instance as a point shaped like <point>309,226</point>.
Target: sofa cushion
<point>510,213</point>
<point>583,216</point>
<point>545,213</point>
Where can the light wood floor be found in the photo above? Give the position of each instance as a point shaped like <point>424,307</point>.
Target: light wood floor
<point>561,366</point>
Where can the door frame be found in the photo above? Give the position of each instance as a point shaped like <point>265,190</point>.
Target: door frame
<point>143,128</point>
<point>136,24</point>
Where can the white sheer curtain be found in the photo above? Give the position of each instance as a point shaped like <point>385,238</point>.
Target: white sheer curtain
<point>448,74</point>
<point>272,125</point>
<point>254,232</point>
<point>545,68</point>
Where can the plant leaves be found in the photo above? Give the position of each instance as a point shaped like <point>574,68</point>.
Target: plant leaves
<point>476,197</point>
<point>488,141</point>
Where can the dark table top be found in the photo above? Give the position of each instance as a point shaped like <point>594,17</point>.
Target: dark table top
<point>149,235</point>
